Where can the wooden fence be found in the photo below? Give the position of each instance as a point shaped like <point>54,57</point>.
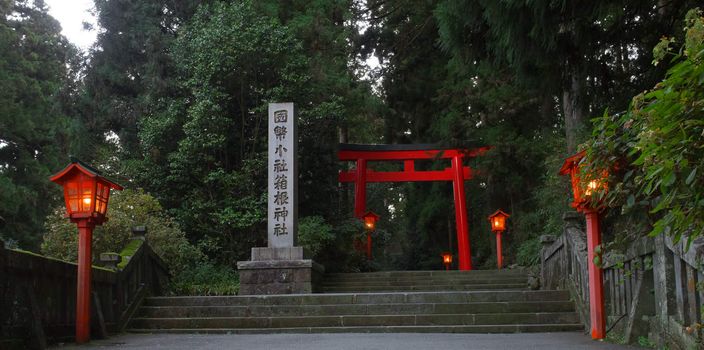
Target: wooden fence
<point>38,296</point>
<point>655,288</point>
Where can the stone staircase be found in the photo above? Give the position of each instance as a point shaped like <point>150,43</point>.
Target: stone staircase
<point>414,301</point>
<point>403,281</point>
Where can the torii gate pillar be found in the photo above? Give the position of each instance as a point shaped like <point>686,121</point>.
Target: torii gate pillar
<point>360,189</point>
<point>465,256</point>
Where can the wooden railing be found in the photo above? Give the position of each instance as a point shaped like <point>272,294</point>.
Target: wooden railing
<point>38,296</point>
<point>628,282</point>
<point>655,287</point>
<point>564,264</point>
<point>679,290</point>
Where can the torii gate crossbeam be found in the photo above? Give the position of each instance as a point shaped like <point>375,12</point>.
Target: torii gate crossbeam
<point>457,173</point>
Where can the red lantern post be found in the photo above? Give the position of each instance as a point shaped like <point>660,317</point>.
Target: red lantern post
<point>498,225</point>
<point>370,220</point>
<point>583,189</point>
<point>86,194</point>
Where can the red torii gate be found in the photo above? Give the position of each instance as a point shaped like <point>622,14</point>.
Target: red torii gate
<point>457,173</point>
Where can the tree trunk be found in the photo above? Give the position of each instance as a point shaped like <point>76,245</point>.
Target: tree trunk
<point>572,109</point>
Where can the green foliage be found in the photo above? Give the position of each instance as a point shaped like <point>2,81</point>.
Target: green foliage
<point>314,234</point>
<point>657,144</point>
<point>587,55</point>
<point>192,273</point>
<point>646,343</point>
<point>528,253</point>
<point>341,254</point>
<point>185,84</point>
<point>205,144</point>
<point>127,208</point>
<point>128,67</point>
<point>205,278</point>
<point>36,76</point>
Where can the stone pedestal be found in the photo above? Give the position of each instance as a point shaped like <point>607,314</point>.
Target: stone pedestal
<point>279,271</point>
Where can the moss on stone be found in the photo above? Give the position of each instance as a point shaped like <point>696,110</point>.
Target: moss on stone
<point>128,252</point>
<point>55,259</point>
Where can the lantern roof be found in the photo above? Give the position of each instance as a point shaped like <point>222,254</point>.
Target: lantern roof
<point>80,166</point>
<point>571,162</point>
<point>497,213</point>
<point>371,214</point>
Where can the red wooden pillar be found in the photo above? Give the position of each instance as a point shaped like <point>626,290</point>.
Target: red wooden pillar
<point>360,188</point>
<point>369,245</point>
<point>463,248</point>
<point>83,286</point>
<point>596,280</point>
<point>499,253</point>
<point>360,198</point>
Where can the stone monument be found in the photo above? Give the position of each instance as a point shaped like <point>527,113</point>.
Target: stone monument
<point>280,268</point>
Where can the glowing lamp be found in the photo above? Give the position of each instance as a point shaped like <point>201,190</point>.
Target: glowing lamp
<point>498,225</point>
<point>498,221</point>
<point>446,259</point>
<point>584,186</point>
<point>86,192</point>
<point>370,219</point>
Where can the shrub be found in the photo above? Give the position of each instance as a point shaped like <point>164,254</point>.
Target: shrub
<point>656,144</point>
<point>314,234</point>
<point>205,278</point>
<point>529,253</point>
<point>127,208</point>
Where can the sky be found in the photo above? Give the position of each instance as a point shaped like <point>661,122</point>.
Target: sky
<point>71,14</point>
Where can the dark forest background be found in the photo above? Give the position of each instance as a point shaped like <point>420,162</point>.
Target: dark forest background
<point>171,101</point>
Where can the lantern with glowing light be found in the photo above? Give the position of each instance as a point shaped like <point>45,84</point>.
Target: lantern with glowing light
<point>584,187</point>
<point>446,259</point>
<point>86,194</point>
<point>369,219</point>
<point>498,226</point>
<point>498,221</point>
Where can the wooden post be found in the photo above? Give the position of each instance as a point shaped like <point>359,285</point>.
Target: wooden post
<point>596,280</point>
<point>369,245</point>
<point>36,321</point>
<point>102,331</point>
<point>662,290</point>
<point>360,188</point>
<point>463,248</point>
<point>83,294</point>
<point>499,253</point>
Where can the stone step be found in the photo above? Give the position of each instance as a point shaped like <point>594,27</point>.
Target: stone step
<point>354,309</point>
<point>390,301</point>
<point>355,320</point>
<point>450,287</point>
<point>513,328</point>
<point>363,298</point>
<point>431,273</point>
<point>358,277</point>
<point>430,280</point>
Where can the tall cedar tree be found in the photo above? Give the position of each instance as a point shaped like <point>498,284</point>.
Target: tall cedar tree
<point>589,55</point>
<point>36,64</point>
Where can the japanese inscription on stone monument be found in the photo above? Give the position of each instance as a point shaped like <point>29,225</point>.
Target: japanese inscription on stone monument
<point>283,176</point>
